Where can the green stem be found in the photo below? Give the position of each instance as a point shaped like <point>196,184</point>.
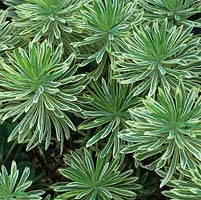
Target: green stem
<point>10,151</point>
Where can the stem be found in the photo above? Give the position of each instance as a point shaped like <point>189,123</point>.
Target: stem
<point>10,151</point>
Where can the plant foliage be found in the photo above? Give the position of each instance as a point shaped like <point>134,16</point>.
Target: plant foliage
<point>169,128</point>
<point>177,11</point>
<point>13,2</point>
<point>7,38</point>
<point>106,24</point>
<point>14,187</point>
<point>101,180</point>
<point>48,19</point>
<point>159,56</point>
<point>37,89</point>
<point>188,188</point>
<point>112,84</point>
<point>108,112</point>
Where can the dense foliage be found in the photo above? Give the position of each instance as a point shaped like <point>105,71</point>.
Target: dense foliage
<point>113,86</point>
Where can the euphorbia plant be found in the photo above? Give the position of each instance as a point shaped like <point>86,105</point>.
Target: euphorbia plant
<point>168,127</point>
<point>37,88</point>
<point>178,12</point>
<point>107,112</point>
<point>7,38</point>
<point>96,79</point>
<point>103,179</point>
<point>159,56</point>
<point>49,19</point>
<point>14,186</point>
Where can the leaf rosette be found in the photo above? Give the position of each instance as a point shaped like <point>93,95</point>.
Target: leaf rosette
<point>159,56</point>
<point>166,130</point>
<point>38,89</point>
<point>102,178</point>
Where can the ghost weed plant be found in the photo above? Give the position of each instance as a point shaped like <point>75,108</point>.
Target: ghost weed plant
<point>158,56</point>
<point>38,90</point>
<point>49,19</point>
<point>135,54</point>
<point>187,188</point>
<point>7,37</point>
<point>107,113</point>
<point>12,3</point>
<point>105,25</point>
<point>168,127</point>
<point>176,11</point>
<point>99,178</point>
<point>14,187</point>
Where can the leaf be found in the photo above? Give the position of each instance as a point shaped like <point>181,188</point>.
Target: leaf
<point>171,170</point>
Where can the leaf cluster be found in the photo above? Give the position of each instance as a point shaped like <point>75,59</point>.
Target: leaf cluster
<point>114,85</point>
